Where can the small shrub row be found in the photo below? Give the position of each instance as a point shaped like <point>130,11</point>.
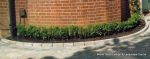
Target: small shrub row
<point>70,32</point>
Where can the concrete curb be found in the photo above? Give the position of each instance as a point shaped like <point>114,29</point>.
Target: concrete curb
<point>76,44</point>
<point>137,33</point>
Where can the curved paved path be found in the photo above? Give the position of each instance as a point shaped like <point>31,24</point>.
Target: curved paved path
<point>9,50</point>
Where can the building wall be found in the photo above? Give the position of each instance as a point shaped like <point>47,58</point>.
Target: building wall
<point>72,12</point>
<point>65,12</point>
<point>69,12</point>
<point>4,23</point>
<point>113,10</point>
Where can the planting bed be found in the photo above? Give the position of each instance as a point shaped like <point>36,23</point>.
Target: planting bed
<point>139,25</point>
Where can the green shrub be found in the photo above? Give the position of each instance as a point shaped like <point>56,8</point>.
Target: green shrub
<point>69,32</point>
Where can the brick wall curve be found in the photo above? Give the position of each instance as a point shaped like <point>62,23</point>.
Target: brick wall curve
<point>72,12</point>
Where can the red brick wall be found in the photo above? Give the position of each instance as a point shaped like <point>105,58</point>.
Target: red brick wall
<point>4,23</point>
<point>3,14</point>
<point>72,12</point>
<point>113,10</point>
<point>69,12</point>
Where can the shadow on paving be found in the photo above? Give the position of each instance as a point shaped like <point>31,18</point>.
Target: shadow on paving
<point>48,57</point>
<point>124,47</point>
<point>141,48</point>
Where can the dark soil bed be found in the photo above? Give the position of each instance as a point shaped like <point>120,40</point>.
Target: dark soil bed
<point>136,29</point>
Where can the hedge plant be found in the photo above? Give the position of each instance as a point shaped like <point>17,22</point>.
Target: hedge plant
<point>69,32</point>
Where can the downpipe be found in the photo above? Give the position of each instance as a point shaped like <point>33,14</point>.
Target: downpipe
<point>12,18</point>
